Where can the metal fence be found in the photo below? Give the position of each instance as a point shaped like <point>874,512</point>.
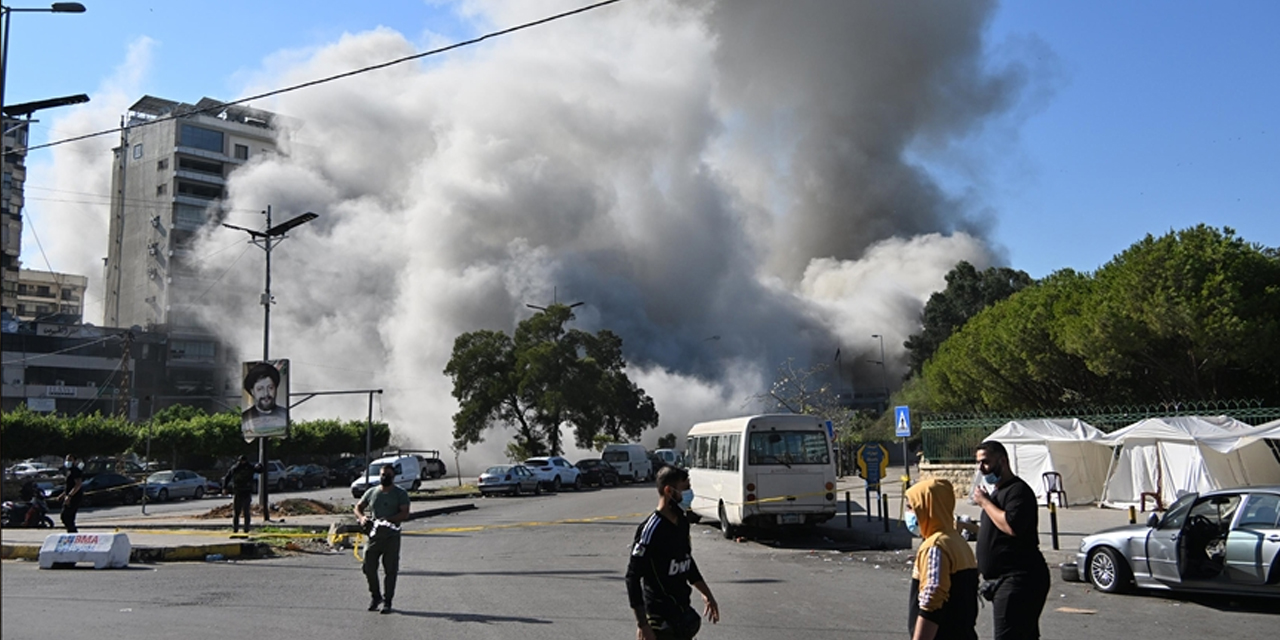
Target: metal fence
<point>951,437</point>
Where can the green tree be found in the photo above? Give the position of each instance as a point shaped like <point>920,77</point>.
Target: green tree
<point>542,379</point>
<point>968,292</point>
<point>667,442</point>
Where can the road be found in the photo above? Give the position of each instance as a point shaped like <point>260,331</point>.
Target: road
<point>546,567</point>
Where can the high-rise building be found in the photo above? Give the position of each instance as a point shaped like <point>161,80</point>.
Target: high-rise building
<point>44,294</point>
<point>169,180</point>
<point>15,172</point>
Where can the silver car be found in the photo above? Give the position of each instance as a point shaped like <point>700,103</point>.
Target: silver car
<point>1224,541</point>
<point>163,486</point>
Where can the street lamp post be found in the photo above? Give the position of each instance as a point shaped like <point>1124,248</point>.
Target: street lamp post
<point>57,7</point>
<point>266,240</point>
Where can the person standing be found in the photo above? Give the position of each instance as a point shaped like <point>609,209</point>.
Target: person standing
<point>944,578</point>
<point>661,567</point>
<point>1009,558</point>
<point>73,494</point>
<point>239,480</point>
<point>381,510</point>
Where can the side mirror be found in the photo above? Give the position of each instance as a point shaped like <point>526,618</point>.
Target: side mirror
<point>1153,520</point>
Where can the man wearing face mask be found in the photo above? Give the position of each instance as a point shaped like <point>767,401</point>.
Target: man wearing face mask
<point>1017,578</point>
<point>381,510</point>
<point>72,495</point>
<point>661,567</point>
<point>944,578</point>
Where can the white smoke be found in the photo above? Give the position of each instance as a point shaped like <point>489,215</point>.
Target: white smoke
<point>725,185</point>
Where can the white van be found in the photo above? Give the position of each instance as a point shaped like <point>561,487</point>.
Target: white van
<point>408,474</point>
<point>631,460</point>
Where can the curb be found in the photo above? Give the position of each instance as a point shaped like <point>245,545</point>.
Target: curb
<point>147,555</point>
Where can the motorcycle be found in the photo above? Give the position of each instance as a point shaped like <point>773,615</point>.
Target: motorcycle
<point>32,512</point>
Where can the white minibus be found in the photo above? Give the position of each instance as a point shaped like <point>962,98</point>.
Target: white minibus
<point>762,471</point>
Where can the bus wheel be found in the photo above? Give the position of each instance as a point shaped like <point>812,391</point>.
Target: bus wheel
<point>726,529</point>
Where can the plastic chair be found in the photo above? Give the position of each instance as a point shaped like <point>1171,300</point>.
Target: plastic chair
<point>1155,497</point>
<point>1053,485</point>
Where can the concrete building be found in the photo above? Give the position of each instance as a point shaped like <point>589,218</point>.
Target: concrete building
<point>11,200</point>
<point>43,294</point>
<point>170,178</point>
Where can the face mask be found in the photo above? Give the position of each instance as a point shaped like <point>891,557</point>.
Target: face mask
<point>67,464</point>
<point>992,478</point>
<point>386,482</point>
<point>912,523</point>
<point>686,499</point>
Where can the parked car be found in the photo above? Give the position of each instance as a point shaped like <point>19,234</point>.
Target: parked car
<point>94,466</point>
<point>509,478</point>
<point>408,474</point>
<point>1224,541</point>
<point>27,469</point>
<point>163,486</point>
<point>597,473</point>
<point>432,467</point>
<point>346,470</point>
<point>105,488</point>
<point>631,460</point>
<point>555,472</point>
<point>275,476</point>
<point>669,457</point>
<point>300,476</point>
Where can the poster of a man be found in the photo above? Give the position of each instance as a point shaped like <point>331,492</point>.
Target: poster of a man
<point>265,383</point>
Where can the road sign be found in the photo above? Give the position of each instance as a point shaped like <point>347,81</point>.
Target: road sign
<point>873,462</point>
<point>831,431</point>
<point>902,422</point>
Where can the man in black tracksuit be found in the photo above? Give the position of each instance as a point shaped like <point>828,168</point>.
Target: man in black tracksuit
<point>239,480</point>
<point>1009,546</point>
<point>662,567</point>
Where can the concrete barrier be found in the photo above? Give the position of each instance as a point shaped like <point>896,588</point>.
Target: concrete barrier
<point>104,550</point>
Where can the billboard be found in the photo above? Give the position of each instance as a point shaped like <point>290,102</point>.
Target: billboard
<point>265,382</point>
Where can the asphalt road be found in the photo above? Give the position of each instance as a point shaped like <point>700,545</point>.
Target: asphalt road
<point>548,567</point>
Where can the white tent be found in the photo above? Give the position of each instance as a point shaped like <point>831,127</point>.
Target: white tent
<point>1171,456</point>
<point>1072,448</point>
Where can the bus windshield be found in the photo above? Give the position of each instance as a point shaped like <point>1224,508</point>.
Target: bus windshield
<point>788,448</point>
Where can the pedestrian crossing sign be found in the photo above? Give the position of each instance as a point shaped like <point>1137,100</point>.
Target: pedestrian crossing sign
<point>902,422</point>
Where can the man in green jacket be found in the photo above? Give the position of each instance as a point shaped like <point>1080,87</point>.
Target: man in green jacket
<point>381,510</point>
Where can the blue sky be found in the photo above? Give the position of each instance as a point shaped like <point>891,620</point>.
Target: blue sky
<point>1160,115</point>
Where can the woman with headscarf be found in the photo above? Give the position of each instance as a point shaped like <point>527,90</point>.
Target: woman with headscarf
<point>944,580</point>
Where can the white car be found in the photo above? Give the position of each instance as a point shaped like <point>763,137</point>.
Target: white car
<point>555,472</point>
<point>27,469</point>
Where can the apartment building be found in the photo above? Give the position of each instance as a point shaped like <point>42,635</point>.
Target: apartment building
<point>43,294</point>
<point>11,200</point>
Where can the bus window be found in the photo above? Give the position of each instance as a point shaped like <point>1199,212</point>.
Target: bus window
<point>788,448</point>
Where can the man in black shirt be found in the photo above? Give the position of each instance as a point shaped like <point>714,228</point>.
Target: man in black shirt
<point>1009,546</point>
<point>72,495</point>
<point>239,481</point>
<point>662,567</point>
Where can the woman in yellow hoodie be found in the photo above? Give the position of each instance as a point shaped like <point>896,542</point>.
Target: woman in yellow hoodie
<point>944,580</point>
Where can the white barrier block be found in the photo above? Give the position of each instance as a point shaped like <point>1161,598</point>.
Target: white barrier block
<point>104,550</point>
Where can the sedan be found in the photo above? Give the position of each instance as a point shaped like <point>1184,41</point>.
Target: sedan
<point>28,469</point>
<point>597,473</point>
<point>300,476</point>
<point>1224,541</point>
<point>555,472</point>
<point>163,486</point>
<point>105,488</point>
<point>509,478</point>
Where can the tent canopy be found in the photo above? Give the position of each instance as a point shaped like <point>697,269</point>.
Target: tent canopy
<point>1072,448</point>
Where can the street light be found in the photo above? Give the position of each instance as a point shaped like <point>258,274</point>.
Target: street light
<point>267,239</point>
<point>57,7</point>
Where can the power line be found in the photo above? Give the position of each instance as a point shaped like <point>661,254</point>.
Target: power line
<point>347,74</point>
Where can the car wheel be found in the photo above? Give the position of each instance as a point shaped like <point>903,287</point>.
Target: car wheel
<point>555,484</point>
<point>577,483</point>
<point>417,484</point>
<point>726,529</point>
<point>130,497</point>
<point>537,488</point>
<point>515,489</point>
<point>163,496</point>
<point>199,493</point>
<point>324,483</point>
<point>1108,571</point>
<point>280,486</point>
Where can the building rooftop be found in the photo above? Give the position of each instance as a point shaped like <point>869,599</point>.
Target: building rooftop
<point>152,107</point>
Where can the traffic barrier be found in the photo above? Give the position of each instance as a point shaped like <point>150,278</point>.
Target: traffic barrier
<point>104,550</point>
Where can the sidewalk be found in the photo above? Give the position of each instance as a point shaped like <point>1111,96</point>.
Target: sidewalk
<point>1074,523</point>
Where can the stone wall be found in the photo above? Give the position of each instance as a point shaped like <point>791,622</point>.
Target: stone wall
<point>959,475</point>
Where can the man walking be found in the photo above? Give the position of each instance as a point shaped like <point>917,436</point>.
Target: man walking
<point>1009,558</point>
<point>73,494</point>
<point>239,480</point>
<point>381,510</point>
<point>662,567</point>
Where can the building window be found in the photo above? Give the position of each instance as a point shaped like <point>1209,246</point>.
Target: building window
<point>162,165</point>
<point>197,190</point>
<point>189,215</point>
<point>137,151</point>
<point>162,189</point>
<point>200,138</point>
<point>242,152</point>
<point>191,350</point>
<point>200,166</point>
<point>68,294</point>
<point>43,291</point>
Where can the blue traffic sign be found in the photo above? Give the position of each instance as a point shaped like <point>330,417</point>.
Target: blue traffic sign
<point>902,422</point>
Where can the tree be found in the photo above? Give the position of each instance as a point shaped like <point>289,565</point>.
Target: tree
<point>968,292</point>
<point>543,379</point>
<point>667,442</point>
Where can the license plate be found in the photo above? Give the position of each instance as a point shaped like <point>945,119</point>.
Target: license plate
<point>790,518</point>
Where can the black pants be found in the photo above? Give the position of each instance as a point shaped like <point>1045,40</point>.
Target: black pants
<point>384,548</point>
<point>1018,603</point>
<point>241,503</point>
<point>69,511</point>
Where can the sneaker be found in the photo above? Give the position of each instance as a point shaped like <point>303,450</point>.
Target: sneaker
<point>373,604</point>
<point>386,606</point>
